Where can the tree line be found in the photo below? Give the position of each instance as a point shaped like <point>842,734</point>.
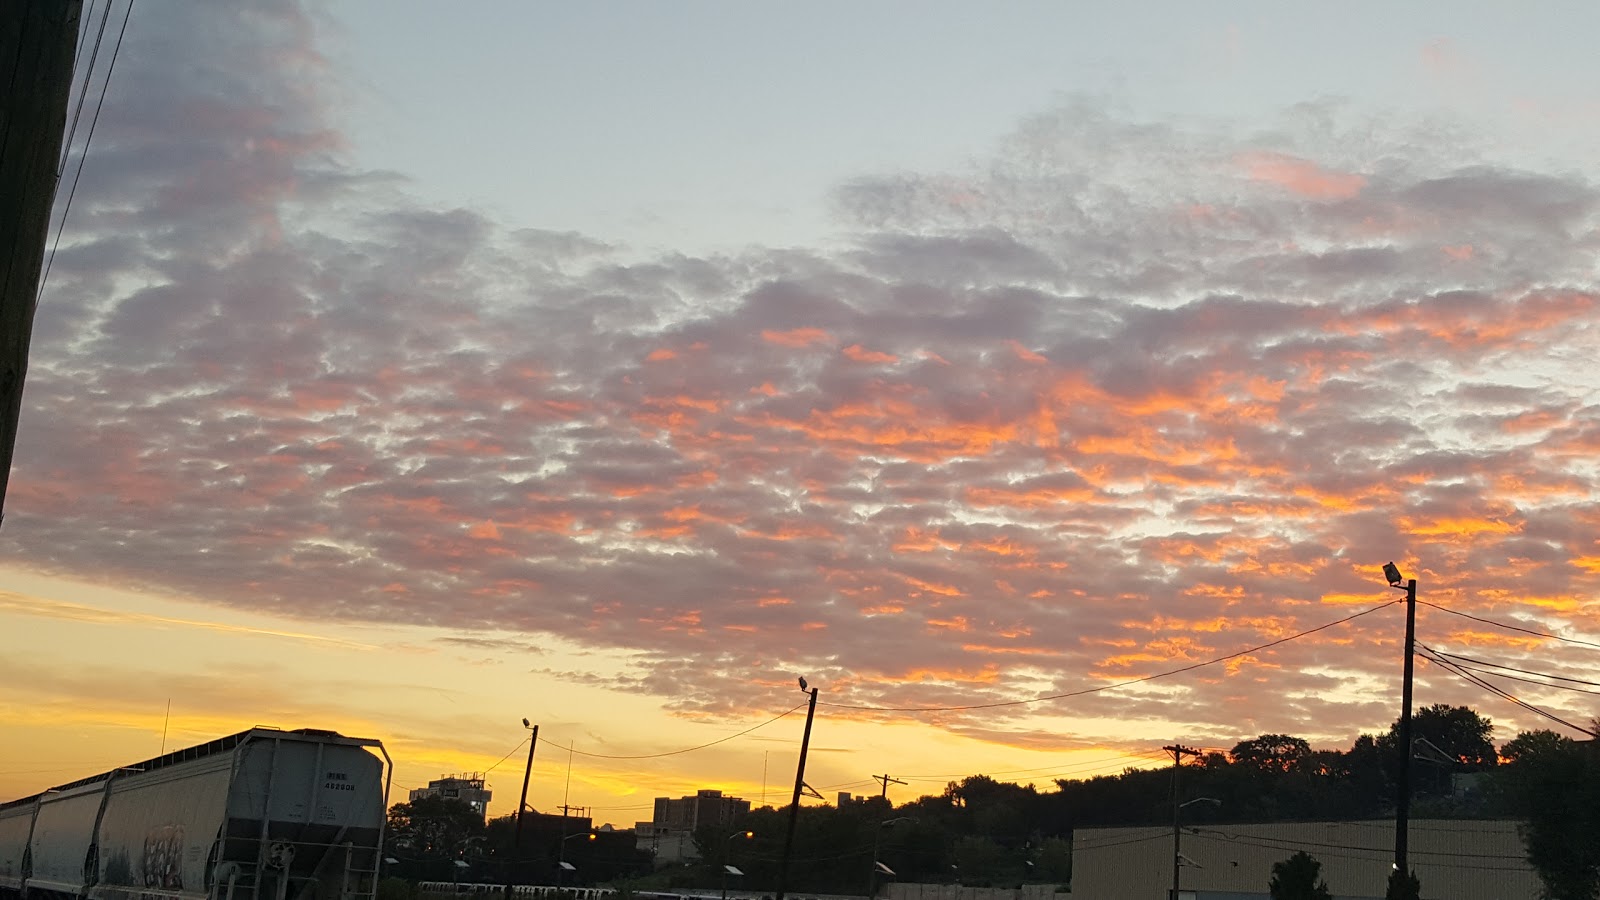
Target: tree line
<point>984,832</point>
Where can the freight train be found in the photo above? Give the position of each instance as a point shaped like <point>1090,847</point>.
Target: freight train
<point>259,815</point>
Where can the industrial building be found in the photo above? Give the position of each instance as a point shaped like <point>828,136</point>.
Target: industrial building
<point>1454,859</point>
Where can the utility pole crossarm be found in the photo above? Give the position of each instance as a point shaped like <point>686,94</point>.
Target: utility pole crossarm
<point>886,782</point>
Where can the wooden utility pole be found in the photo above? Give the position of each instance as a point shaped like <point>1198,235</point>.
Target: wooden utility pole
<point>1178,752</point>
<point>799,786</point>
<point>1402,800</point>
<point>38,40</point>
<point>886,782</point>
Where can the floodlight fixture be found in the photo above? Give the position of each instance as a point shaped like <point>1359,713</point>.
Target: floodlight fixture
<point>1392,572</point>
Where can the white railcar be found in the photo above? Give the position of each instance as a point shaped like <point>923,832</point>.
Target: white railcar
<point>259,815</point>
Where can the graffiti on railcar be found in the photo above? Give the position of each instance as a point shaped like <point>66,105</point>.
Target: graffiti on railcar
<point>163,858</point>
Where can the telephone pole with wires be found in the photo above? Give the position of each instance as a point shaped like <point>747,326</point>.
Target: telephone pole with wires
<point>38,46</point>
<point>799,787</point>
<point>1402,800</point>
<point>886,782</point>
<point>1178,752</point>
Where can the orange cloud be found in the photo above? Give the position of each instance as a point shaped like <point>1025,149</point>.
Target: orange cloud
<point>1302,176</point>
<point>798,337</point>
<point>862,355</point>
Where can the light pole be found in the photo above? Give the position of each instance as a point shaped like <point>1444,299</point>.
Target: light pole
<point>727,847</point>
<point>877,838</point>
<point>527,771</point>
<point>1402,803</point>
<point>561,855</point>
<point>799,785</point>
<point>1177,832</point>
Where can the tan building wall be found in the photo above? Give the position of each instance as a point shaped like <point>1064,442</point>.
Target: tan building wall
<point>1455,859</point>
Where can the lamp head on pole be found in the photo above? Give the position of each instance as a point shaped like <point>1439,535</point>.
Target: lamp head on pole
<point>1392,572</point>
<point>526,724</point>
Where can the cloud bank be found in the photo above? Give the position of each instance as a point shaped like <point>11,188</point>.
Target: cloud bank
<point>1123,397</point>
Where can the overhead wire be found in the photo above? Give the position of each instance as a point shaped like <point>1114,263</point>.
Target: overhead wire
<point>88,77</point>
<point>720,740</point>
<point>1433,656</point>
<point>1510,627</point>
<point>1495,665</point>
<point>1326,849</point>
<point>88,140</point>
<point>1518,678</point>
<point>506,757</point>
<point>1109,687</point>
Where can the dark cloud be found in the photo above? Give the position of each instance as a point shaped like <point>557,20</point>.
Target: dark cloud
<point>1125,398</point>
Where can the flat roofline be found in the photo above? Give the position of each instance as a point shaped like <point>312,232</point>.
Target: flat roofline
<point>199,751</point>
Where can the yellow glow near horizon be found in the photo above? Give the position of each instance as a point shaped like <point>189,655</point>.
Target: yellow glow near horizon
<point>96,666</point>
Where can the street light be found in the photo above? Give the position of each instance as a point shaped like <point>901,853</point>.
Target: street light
<point>799,784</point>
<point>1177,857</point>
<point>877,838</point>
<point>1402,805</point>
<point>727,849</point>
<point>561,854</point>
<point>527,771</point>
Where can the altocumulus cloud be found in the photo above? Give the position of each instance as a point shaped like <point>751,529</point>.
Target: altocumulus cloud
<point>1124,397</point>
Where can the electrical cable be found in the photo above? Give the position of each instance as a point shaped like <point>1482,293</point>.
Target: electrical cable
<point>1494,665</point>
<point>1097,763</point>
<point>506,757</point>
<point>1108,687</point>
<point>1533,681</point>
<point>675,752</point>
<point>1330,849</point>
<point>111,68</point>
<point>1432,656</point>
<point>88,77</point>
<point>1553,637</point>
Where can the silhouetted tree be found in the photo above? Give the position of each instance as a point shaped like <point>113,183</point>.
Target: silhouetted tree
<point>1553,785</point>
<point>1276,753</point>
<point>433,827</point>
<point>1403,887</point>
<point>1297,878</point>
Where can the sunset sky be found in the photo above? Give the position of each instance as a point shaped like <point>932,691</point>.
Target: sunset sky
<point>409,369</point>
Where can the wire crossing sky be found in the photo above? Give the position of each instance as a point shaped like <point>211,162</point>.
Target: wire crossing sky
<point>411,372</point>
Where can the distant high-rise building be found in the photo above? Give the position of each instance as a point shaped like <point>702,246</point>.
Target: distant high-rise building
<point>467,788</point>
<point>704,808</point>
<point>669,835</point>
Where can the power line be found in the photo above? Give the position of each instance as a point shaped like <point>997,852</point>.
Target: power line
<point>1494,665</point>
<point>88,77</point>
<point>675,752</point>
<point>1553,637</point>
<point>1330,850</point>
<point>1093,763</point>
<point>116,50</point>
<point>1109,687</point>
<point>506,757</point>
<point>1533,681</point>
<point>1433,656</point>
